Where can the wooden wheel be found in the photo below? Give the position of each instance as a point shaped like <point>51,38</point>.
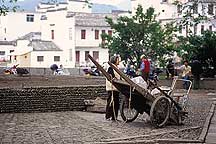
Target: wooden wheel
<point>160,111</point>
<point>128,113</point>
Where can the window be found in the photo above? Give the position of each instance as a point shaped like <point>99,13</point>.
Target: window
<point>2,52</point>
<point>52,34</point>
<point>195,8</point>
<point>195,29</point>
<point>96,55</point>
<point>103,32</point>
<point>96,34</point>
<point>210,28</point>
<point>179,9</point>
<point>86,55</point>
<point>210,9</point>
<point>30,18</point>
<point>180,29</point>
<point>77,56</point>
<point>5,30</point>
<point>202,29</point>
<point>110,32</point>
<point>83,34</point>
<point>15,57</point>
<point>70,34</point>
<point>56,58</point>
<point>70,55</point>
<point>164,0</point>
<point>40,58</point>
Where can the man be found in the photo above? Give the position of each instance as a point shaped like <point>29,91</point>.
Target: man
<point>196,69</point>
<point>170,69</point>
<point>145,67</point>
<point>186,72</point>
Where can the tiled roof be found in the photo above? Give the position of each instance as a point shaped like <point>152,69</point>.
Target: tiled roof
<point>92,19</point>
<point>39,45</point>
<point>78,0</point>
<point>30,36</point>
<point>209,1</point>
<point>8,43</point>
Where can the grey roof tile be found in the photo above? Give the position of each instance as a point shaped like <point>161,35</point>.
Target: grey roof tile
<point>8,43</point>
<point>40,45</point>
<point>92,19</point>
<point>30,36</point>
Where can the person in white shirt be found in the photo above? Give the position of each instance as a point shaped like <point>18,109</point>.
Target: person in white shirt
<point>186,73</point>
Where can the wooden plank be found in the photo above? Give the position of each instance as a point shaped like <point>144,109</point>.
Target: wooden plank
<point>106,74</point>
<point>142,91</point>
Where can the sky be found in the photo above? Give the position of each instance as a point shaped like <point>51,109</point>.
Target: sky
<point>124,4</point>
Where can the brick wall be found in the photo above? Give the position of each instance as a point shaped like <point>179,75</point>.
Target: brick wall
<point>48,99</point>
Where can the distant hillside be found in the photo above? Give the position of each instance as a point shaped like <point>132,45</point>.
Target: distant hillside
<point>29,5</point>
<point>101,8</point>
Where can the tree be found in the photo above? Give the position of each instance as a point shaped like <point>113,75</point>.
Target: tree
<point>203,48</point>
<point>7,5</point>
<point>192,13</point>
<point>138,35</point>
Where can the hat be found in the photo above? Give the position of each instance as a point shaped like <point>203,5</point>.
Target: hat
<point>142,56</point>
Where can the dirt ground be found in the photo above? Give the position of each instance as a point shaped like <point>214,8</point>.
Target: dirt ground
<point>12,81</point>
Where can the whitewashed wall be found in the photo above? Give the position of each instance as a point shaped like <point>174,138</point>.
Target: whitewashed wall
<point>6,49</point>
<point>17,26</point>
<point>103,55</point>
<point>61,25</point>
<point>76,6</point>
<point>90,36</point>
<point>48,58</point>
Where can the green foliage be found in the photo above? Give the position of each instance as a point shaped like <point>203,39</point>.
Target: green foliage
<point>201,47</point>
<point>190,14</point>
<point>7,5</point>
<point>138,35</point>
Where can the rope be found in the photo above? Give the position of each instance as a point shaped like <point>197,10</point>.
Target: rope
<point>113,106</point>
<point>112,101</point>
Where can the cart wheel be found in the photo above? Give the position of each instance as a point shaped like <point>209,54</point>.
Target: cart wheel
<point>160,111</point>
<point>128,114</point>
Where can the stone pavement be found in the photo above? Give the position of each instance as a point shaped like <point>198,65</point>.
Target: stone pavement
<point>211,134</point>
<point>62,128</point>
<point>82,127</point>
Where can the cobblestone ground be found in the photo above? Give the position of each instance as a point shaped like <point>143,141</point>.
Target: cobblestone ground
<point>84,127</point>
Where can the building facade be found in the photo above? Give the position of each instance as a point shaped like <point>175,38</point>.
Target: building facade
<point>63,33</point>
<point>169,10</point>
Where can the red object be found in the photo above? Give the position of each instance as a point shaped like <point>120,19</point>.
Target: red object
<point>147,65</point>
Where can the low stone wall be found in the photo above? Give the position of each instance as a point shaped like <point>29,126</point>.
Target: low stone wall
<point>205,83</point>
<point>48,71</point>
<point>48,99</point>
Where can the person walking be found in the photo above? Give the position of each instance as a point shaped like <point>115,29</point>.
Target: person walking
<point>112,106</point>
<point>145,67</point>
<point>170,69</point>
<point>196,70</point>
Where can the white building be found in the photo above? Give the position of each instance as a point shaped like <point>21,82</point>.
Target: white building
<point>88,30</point>
<point>70,5</point>
<point>18,24</point>
<point>168,11</point>
<point>56,33</point>
<point>30,51</point>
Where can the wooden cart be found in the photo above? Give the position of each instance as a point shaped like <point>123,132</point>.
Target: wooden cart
<point>161,108</point>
